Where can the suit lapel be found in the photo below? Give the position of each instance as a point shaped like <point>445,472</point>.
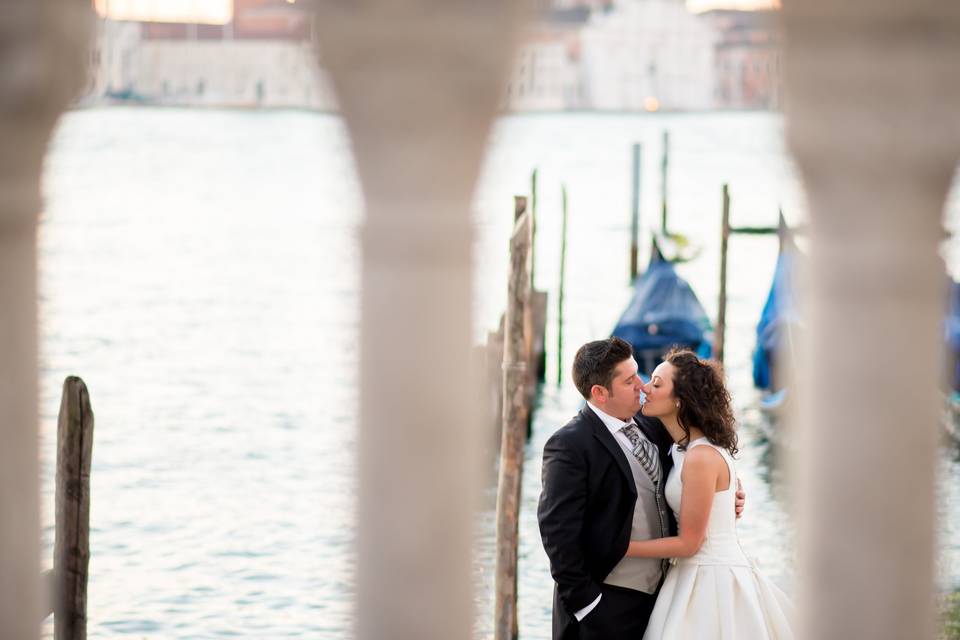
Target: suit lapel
<point>606,438</point>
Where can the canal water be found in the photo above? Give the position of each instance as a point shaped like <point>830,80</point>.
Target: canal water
<point>199,269</point>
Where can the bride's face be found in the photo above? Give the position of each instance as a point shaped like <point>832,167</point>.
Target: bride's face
<point>660,399</point>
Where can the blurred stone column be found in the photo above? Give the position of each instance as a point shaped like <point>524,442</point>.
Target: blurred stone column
<point>418,82</point>
<point>873,118</point>
<point>44,57</point>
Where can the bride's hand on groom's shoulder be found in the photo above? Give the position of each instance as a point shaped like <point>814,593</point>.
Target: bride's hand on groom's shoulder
<point>741,499</point>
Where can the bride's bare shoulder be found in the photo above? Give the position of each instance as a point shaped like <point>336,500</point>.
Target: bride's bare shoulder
<point>703,458</point>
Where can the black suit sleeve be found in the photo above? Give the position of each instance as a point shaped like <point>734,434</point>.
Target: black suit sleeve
<point>561,512</point>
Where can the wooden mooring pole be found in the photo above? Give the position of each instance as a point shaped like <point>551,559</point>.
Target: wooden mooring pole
<point>563,272</point>
<point>514,429</point>
<point>533,231</point>
<point>535,312</point>
<point>635,213</point>
<point>535,322</point>
<point>664,163</point>
<point>71,551</point>
<point>722,304</point>
<point>726,232</point>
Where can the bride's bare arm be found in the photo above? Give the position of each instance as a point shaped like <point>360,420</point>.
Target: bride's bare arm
<point>703,469</point>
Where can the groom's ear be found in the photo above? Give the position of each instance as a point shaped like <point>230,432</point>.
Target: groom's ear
<point>598,393</point>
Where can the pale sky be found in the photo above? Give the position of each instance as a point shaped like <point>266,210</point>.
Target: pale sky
<point>703,5</point>
<point>203,11</point>
<point>218,11</point>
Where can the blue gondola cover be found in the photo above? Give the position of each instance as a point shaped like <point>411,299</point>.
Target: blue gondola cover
<point>778,313</point>
<point>664,312</point>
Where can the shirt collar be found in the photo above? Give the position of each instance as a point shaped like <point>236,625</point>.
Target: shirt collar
<point>612,424</point>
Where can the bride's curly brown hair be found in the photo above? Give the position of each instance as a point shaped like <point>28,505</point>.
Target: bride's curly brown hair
<point>704,400</point>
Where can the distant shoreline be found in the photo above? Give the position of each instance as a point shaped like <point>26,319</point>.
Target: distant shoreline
<point>227,106</point>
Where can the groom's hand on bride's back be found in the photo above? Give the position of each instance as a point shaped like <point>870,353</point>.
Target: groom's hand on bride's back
<point>741,499</point>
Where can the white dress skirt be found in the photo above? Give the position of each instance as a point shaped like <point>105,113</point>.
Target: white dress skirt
<point>717,594</point>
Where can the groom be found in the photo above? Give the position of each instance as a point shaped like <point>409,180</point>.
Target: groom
<point>603,477</point>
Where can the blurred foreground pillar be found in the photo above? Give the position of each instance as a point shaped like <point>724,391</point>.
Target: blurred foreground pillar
<point>42,48</point>
<point>872,118</point>
<point>418,83</point>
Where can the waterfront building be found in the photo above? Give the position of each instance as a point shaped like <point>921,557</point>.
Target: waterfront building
<point>546,72</point>
<point>263,57</point>
<point>647,55</point>
<point>112,58</point>
<point>747,59</point>
<point>628,55</point>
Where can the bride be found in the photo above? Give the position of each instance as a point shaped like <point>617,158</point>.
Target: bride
<point>712,590</point>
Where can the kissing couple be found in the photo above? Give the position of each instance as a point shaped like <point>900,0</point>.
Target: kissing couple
<point>639,507</point>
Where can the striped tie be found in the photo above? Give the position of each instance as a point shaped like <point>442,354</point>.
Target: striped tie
<point>645,452</point>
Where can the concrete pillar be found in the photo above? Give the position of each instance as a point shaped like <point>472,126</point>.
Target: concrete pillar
<point>42,45</point>
<point>871,102</point>
<point>418,82</point>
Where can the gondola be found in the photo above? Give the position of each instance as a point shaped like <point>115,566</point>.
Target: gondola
<point>664,312</point>
<point>776,326</point>
<point>951,329</point>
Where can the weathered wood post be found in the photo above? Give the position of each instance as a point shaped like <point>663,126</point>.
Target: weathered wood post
<point>664,162</point>
<point>725,232</point>
<point>71,553</point>
<point>519,210</point>
<point>418,84</point>
<point>519,207</point>
<point>494,373</point>
<point>560,293</point>
<point>635,213</point>
<point>871,118</point>
<point>535,221</point>
<point>520,204</point>
<point>515,410</point>
<point>722,304</point>
<point>538,301</point>
<point>43,48</point>
<point>534,320</point>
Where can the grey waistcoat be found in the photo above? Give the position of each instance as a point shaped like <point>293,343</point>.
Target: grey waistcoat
<point>640,574</point>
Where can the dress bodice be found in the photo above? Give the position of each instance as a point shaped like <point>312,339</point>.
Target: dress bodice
<point>717,594</point>
<point>721,545</point>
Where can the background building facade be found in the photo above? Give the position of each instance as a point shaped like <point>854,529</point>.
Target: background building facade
<point>647,55</point>
<point>613,55</point>
<point>263,57</point>
<point>747,59</point>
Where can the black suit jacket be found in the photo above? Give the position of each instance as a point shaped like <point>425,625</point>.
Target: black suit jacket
<point>586,507</point>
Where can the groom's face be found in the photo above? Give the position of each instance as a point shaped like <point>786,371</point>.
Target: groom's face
<point>622,399</point>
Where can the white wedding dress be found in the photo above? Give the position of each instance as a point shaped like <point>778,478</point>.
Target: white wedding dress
<point>717,594</point>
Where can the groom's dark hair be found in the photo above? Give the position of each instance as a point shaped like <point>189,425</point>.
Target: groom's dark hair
<point>596,361</point>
